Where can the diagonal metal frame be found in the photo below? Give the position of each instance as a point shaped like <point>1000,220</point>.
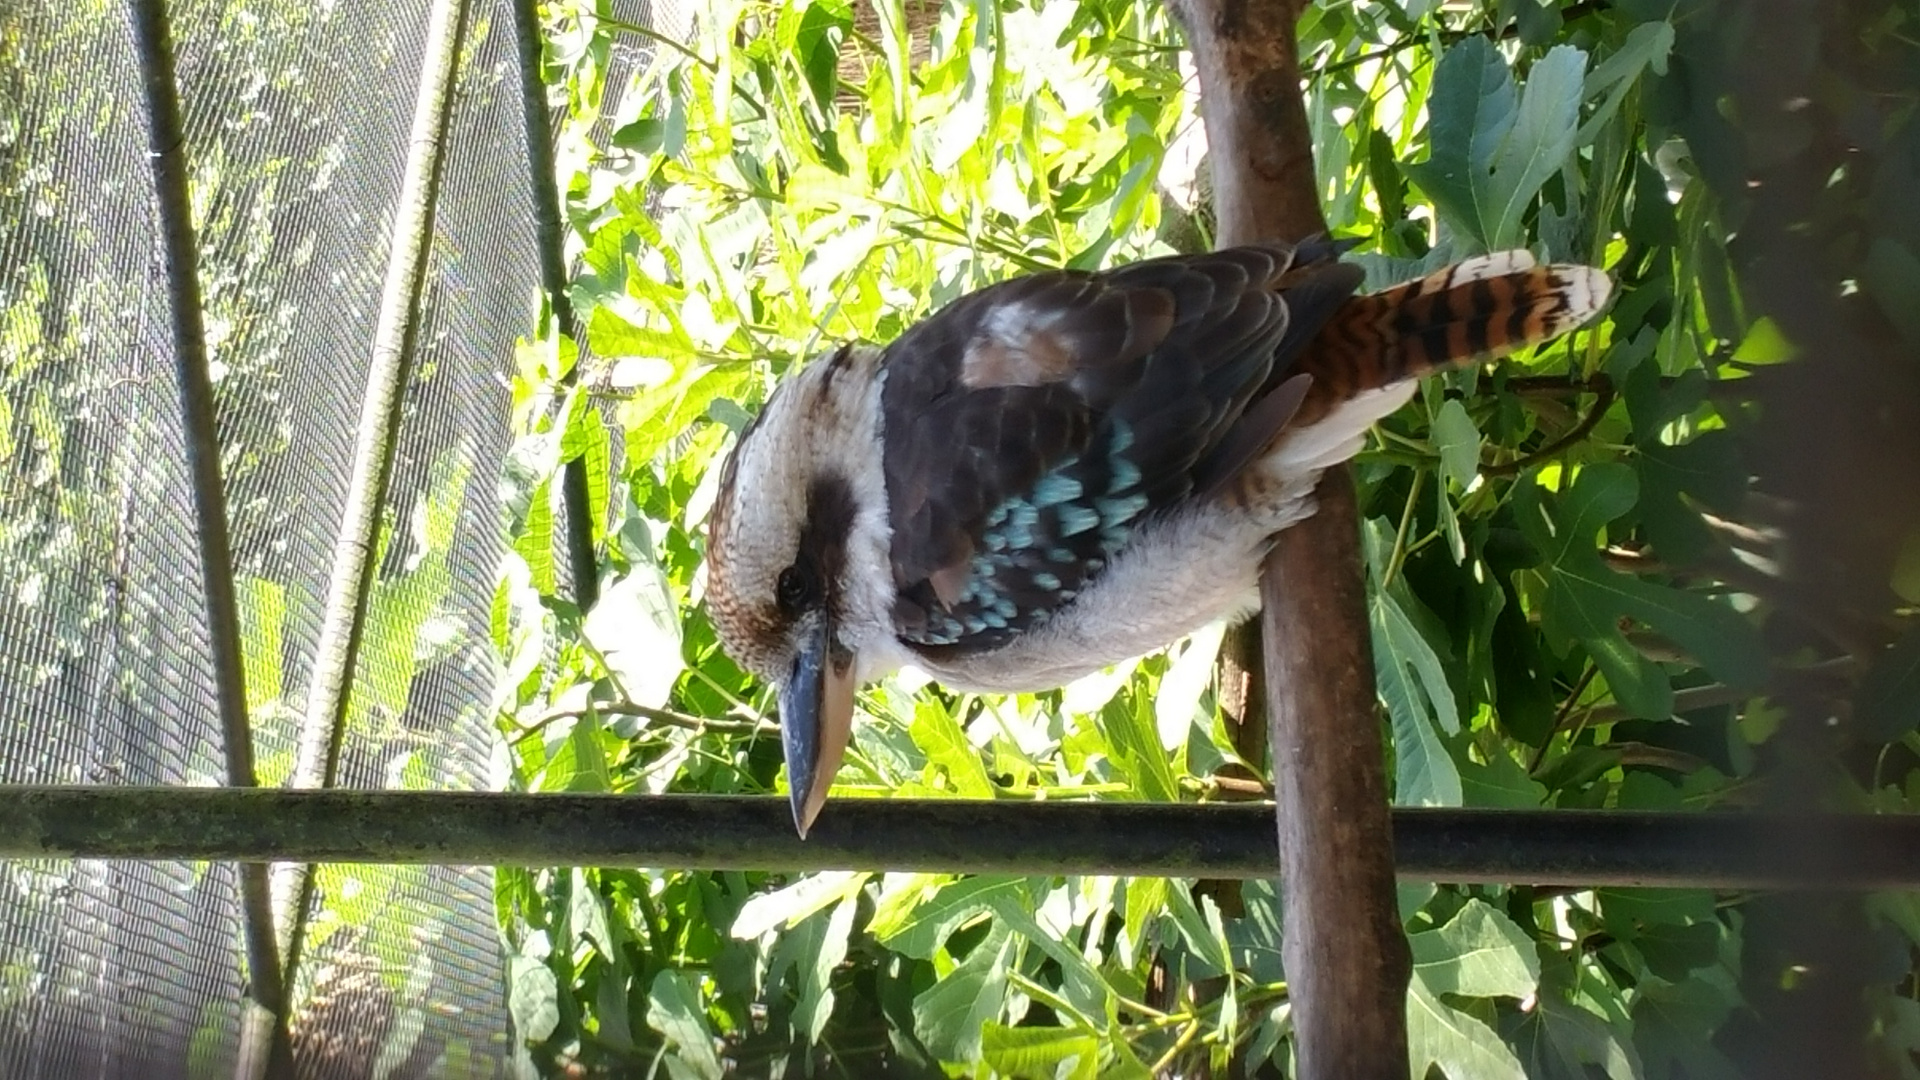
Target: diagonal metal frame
<point>166,141</point>
<point>550,241</point>
<point>275,903</point>
<point>350,580</point>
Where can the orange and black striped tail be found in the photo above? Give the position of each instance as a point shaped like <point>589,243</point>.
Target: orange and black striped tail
<point>1474,310</point>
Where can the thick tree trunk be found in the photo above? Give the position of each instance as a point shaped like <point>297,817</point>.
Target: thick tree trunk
<point>1346,958</point>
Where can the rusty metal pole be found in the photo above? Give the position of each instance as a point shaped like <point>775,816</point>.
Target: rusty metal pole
<point>1346,956</point>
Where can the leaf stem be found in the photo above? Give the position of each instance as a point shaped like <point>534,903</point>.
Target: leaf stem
<point>1186,1039</point>
<point>1603,400</point>
<point>1400,535</point>
<point>1560,717</point>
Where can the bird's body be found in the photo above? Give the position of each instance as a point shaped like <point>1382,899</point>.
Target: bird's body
<point>1063,471</point>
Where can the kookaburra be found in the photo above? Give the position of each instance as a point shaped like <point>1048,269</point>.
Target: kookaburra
<point>1067,470</point>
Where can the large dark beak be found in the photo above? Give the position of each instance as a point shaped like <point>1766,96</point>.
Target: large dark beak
<point>816,718</point>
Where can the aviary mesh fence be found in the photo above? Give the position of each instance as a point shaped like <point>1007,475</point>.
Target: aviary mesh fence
<point>297,119</point>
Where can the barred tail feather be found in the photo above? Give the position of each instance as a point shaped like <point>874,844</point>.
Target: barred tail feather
<point>1478,309</point>
<point>1365,362</point>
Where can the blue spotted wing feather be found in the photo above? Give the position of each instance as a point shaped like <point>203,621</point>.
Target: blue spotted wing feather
<point>1032,426</point>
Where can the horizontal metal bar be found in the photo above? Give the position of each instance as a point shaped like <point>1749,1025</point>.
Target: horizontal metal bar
<point>1560,847</point>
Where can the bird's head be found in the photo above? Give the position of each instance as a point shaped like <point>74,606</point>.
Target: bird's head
<point>798,579</point>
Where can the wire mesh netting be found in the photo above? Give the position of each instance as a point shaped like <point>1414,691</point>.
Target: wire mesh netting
<point>297,121</point>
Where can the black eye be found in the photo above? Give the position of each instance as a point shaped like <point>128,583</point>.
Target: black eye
<point>794,592</point>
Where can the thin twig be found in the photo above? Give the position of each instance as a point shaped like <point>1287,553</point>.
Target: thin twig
<point>1545,385</point>
<point>663,40</point>
<point>1662,757</point>
<point>1603,400</point>
<point>1447,37</point>
<point>669,717</point>
<point>1237,788</point>
<point>1705,697</point>
<point>1560,717</point>
<point>166,142</point>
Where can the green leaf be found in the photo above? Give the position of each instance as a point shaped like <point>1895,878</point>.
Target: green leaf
<point>1082,987</point>
<point>1202,931</point>
<point>1647,45</point>
<point>789,905</point>
<point>951,1015</point>
<point>674,1010</point>
<point>1255,938</point>
<point>585,438</point>
<point>1674,1025</point>
<point>1900,1017</point>
<point>611,334</point>
<point>1629,911</point>
<point>1578,767</point>
<point>1586,600</point>
<point>1500,783</point>
<point>1384,174</point>
<point>635,627</point>
<point>1542,137</point>
<point>1707,469</point>
<point>1764,344</point>
<point>1414,685</point>
<point>1177,703</point>
<point>816,187</point>
<point>948,751</point>
<point>1457,439</point>
<point>1558,1040</point>
<point>1492,150</point>
<point>1410,678</point>
<point>1471,105</point>
<point>1478,953</point>
<point>921,930</point>
<point>812,950</point>
<point>1906,569</point>
<point>1146,898</point>
<point>1133,736</point>
<point>1461,1045</point>
<point>1887,705</point>
<point>1039,1052</point>
<point>533,998</point>
<point>1892,278</point>
<point>590,769</point>
<point>534,541</point>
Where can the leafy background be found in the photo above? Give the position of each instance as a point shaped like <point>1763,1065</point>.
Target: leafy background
<point>1574,598</point>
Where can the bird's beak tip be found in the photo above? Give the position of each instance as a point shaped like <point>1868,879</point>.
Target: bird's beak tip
<point>816,706</point>
<point>802,821</point>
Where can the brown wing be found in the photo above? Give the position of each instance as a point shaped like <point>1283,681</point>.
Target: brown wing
<point>1031,426</point>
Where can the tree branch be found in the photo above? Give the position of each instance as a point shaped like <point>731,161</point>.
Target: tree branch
<point>1344,949</point>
